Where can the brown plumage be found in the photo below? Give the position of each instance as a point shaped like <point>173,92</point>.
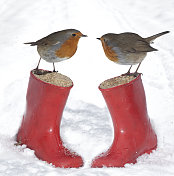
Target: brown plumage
<point>128,48</point>
<point>58,46</point>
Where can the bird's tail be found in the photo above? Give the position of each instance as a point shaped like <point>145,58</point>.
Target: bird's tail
<point>153,37</point>
<point>31,43</point>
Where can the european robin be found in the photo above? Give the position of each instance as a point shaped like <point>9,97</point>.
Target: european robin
<point>128,48</point>
<point>58,46</point>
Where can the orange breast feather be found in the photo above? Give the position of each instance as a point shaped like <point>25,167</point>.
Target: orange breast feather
<point>68,48</point>
<point>110,53</point>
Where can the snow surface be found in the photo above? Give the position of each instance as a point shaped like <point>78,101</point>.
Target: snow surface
<point>86,126</point>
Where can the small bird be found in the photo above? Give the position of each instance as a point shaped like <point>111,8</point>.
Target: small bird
<point>128,48</point>
<point>58,46</point>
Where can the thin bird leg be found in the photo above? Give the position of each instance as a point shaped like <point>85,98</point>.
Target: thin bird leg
<point>128,72</point>
<point>38,64</point>
<point>135,74</point>
<point>137,68</point>
<point>54,67</point>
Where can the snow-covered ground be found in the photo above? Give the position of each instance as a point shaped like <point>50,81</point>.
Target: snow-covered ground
<point>86,126</point>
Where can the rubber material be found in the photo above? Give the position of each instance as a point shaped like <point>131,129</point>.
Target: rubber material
<point>40,128</point>
<point>133,133</point>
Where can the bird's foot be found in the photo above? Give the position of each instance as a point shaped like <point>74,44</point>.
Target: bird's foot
<point>126,74</point>
<point>135,74</point>
<point>40,72</point>
<point>54,71</point>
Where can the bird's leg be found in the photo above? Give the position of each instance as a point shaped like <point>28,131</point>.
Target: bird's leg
<point>40,72</point>
<point>54,67</point>
<point>128,72</point>
<point>38,64</point>
<point>135,74</point>
<point>36,70</point>
<point>136,71</point>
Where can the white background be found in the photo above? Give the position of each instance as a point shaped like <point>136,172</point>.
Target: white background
<point>86,126</point>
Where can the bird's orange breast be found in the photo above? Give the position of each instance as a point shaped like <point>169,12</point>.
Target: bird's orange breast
<point>68,48</point>
<point>112,55</point>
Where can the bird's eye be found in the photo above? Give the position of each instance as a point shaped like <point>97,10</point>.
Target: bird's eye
<point>73,35</point>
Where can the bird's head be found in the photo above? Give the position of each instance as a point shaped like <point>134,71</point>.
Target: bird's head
<point>74,34</point>
<point>105,38</point>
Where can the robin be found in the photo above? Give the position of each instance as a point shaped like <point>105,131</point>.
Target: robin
<point>128,48</point>
<point>57,46</point>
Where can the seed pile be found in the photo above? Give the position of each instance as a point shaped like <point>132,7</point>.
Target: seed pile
<point>55,79</point>
<point>109,83</point>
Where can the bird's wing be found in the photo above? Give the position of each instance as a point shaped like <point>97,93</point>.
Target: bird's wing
<point>43,42</point>
<point>52,39</point>
<point>47,41</point>
<point>139,46</point>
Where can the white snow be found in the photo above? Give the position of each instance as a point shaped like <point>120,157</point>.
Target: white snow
<point>86,126</point>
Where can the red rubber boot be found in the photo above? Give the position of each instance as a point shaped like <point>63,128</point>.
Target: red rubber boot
<point>133,133</point>
<point>40,128</point>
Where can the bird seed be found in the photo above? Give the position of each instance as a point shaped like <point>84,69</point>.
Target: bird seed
<point>113,82</point>
<point>55,79</point>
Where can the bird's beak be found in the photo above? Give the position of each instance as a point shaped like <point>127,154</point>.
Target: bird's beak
<point>98,38</point>
<point>84,35</point>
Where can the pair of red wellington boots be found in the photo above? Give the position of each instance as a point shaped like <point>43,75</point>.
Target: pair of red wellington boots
<point>40,128</point>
